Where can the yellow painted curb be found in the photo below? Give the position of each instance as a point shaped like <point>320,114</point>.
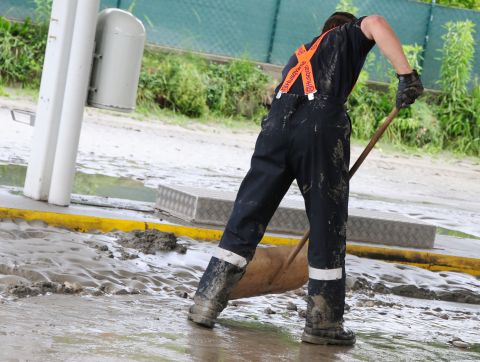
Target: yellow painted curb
<point>423,259</point>
<point>82,223</point>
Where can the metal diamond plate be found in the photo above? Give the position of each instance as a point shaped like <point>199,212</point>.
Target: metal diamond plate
<point>213,207</point>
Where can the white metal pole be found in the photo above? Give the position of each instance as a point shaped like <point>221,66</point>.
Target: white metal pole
<point>49,107</point>
<point>78,77</point>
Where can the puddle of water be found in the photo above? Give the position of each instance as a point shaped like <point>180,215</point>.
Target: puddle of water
<point>88,184</point>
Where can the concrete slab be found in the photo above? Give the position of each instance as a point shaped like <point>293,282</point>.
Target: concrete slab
<point>211,207</point>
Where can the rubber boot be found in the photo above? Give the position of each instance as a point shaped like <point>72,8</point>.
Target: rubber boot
<point>214,291</point>
<point>323,326</point>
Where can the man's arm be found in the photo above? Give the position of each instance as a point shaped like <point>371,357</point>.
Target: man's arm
<point>410,87</point>
<point>376,28</point>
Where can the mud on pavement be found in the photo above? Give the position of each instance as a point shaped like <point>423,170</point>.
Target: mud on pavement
<point>150,241</point>
<point>66,295</point>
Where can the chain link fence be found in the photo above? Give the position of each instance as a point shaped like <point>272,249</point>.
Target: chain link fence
<point>15,9</point>
<point>270,30</point>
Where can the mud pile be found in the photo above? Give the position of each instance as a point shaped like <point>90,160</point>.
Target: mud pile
<point>37,260</point>
<point>40,288</point>
<point>364,275</point>
<point>150,241</point>
<point>414,291</point>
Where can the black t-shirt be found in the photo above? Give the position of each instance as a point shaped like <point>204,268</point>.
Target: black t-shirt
<point>337,62</point>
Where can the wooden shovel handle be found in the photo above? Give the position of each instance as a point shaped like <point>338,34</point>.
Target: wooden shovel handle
<point>354,169</point>
<point>372,142</point>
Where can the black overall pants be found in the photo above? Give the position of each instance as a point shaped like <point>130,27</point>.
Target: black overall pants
<point>306,140</point>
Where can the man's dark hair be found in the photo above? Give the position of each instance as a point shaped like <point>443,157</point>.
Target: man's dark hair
<point>337,19</point>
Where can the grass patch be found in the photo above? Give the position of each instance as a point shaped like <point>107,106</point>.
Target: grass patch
<point>3,92</point>
<point>458,234</point>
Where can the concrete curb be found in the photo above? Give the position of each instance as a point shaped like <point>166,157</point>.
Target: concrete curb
<point>424,259</point>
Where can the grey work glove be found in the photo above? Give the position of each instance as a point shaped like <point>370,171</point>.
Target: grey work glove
<point>410,87</point>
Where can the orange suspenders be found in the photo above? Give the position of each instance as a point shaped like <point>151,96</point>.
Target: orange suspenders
<point>303,67</point>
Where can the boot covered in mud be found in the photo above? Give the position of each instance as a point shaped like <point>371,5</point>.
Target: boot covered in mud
<point>324,319</point>
<point>213,291</point>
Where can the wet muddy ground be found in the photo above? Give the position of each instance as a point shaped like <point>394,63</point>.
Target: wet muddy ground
<point>123,157</point>
<point>72,296</point>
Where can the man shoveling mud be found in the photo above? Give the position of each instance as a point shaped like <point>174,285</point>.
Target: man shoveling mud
<point>306,136</point>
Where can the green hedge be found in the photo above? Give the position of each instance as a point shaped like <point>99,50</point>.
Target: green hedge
<point>22,49</point>
<point>195,87</point>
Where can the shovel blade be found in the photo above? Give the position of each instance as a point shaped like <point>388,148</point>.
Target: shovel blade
<point>266,273</point>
